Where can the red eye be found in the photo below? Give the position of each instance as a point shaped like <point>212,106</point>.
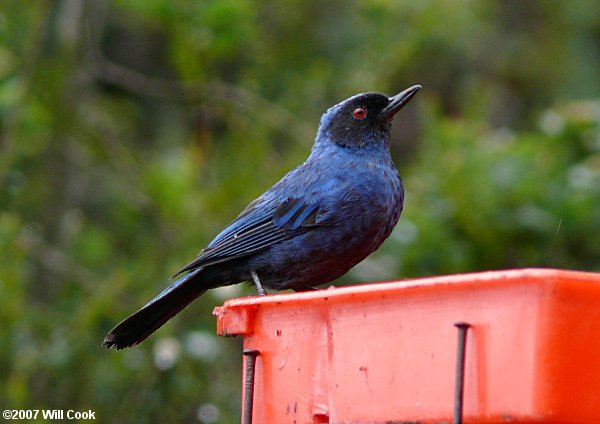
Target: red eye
<point>359,112</point>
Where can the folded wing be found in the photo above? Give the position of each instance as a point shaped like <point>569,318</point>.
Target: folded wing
<point>261,225</point>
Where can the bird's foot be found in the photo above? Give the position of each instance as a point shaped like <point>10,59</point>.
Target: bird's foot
<point>259,287</point>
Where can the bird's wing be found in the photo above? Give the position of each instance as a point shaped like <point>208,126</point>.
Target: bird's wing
<point>262,224</point>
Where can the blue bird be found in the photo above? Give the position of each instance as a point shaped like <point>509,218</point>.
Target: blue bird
<point>310,228</point>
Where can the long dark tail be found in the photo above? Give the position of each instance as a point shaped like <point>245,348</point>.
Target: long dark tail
<point>167,304</point>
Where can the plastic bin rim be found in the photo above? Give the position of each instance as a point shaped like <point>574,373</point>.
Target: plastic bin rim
<point>525,274</point>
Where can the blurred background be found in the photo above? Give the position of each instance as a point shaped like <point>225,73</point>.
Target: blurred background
<point>132,131</point>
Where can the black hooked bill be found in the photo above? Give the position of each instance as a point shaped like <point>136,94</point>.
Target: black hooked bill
<point>398,101</point>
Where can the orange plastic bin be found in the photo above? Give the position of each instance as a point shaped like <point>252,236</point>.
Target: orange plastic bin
<point>386,353</point>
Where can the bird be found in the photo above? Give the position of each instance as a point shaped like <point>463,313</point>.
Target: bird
<point>321,219</point>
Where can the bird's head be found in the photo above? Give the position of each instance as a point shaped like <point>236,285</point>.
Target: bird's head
<point>363,118</point>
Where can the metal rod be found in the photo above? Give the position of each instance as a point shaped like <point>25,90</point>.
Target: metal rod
<point>250,355</point>
<point>460,371</point>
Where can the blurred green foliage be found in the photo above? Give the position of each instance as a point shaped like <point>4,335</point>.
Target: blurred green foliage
<point>133,130</point>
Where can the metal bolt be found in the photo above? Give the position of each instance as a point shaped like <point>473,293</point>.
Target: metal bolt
<point>460,371</point>
<point>250,355</point>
